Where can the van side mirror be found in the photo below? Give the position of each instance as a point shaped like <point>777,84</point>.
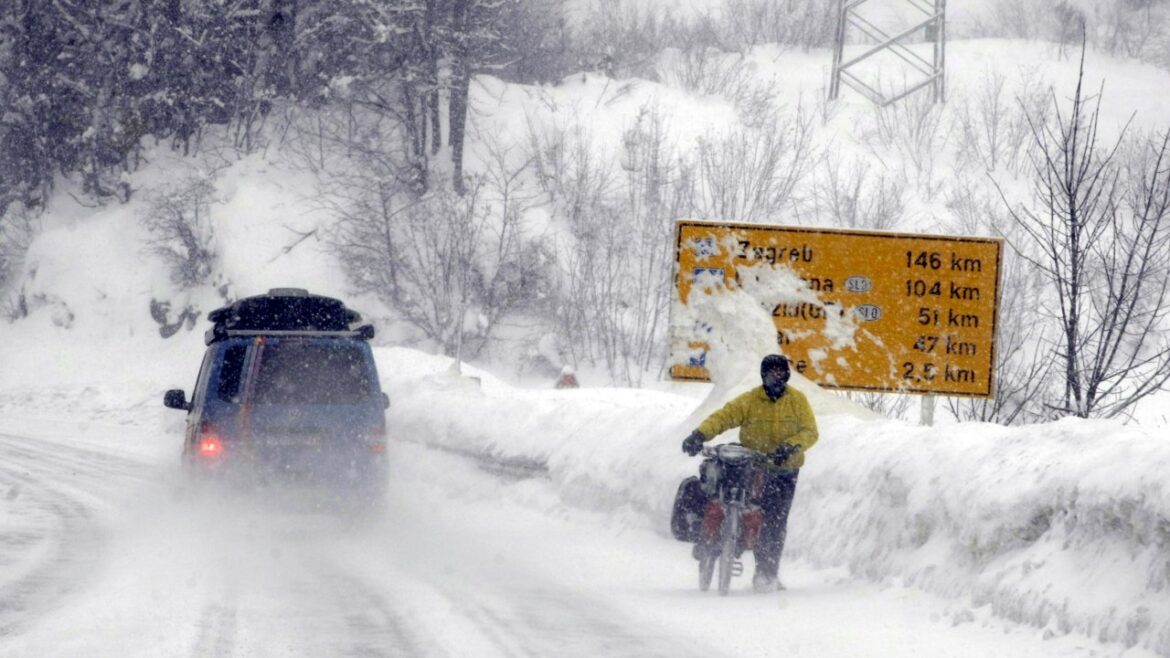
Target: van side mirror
<point>176,399</point>
<point>385,401</point>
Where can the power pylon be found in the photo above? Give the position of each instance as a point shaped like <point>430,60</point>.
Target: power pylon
<point>933,72</point>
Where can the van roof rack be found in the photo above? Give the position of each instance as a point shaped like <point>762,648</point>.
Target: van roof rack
<point>286,311</point>
<point>365,332</point>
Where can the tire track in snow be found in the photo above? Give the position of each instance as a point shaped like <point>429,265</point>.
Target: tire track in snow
<point>293,599</point>
<point>61,527</point>
<point>374,627</point>
<point>516,610</point>
<point>527,614</point>
<point>80,472</point>
<point>217,631</point>
<point>51,491</point>
<point>540,623</point>
<point>509,622</point>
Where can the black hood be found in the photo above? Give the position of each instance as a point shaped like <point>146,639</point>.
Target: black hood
<point>775,388</point>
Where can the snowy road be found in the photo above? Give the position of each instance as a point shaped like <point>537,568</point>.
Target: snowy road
<point>98,558</point>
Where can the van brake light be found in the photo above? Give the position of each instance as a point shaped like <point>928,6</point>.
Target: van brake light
<point>377,439</point>
<point>210,447</point>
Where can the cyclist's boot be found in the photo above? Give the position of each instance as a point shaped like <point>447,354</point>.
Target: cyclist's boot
<point>764,583</point>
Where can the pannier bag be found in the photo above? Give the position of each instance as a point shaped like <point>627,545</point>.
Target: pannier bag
<point>686,520</point>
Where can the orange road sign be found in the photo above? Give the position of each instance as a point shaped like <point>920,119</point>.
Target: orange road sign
<point>921,309</point>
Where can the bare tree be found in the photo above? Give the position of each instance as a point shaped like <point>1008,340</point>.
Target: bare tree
<point>517,267</point>
<point>415,253</point>
<point>622,39</point>
<point>656,191</point>
<point>1100,231</point>
<point>707,70</point>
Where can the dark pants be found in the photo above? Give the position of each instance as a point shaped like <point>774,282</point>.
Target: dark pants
<point>775,501</point>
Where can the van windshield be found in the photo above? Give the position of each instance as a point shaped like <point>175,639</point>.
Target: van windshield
<point>316,372</point>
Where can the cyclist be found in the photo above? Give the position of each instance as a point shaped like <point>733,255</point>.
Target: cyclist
<point>774,419</point>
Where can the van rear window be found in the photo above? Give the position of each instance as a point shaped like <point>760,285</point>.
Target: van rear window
<point>301,372</point>
<point>230,373</point>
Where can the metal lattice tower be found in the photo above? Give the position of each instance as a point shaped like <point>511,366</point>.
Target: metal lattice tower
<point>933,73</point>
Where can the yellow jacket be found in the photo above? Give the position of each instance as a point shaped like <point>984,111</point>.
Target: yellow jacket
<point>765,424</point>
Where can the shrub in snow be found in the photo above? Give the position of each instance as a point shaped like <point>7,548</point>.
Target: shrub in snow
<point>849,194</point>
<point>178,219</point>
<point>915,129</point>
<point>17,227</point>
<point>452,265</point>
<point>994,127</point>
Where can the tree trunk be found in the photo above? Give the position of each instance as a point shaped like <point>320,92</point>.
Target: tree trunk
<point>282,25</point>
<point>433,56</point>
<point>460,87</point>
<point>459,91</point>
<point>416,138</point>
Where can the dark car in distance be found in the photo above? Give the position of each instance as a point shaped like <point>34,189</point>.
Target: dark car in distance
<point>288,398</point>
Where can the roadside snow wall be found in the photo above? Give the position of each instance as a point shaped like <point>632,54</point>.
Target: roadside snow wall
<point>1065,526</point>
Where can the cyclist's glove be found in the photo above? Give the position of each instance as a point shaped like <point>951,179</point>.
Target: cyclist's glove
<point>693,443</point>
<point>781,454</point>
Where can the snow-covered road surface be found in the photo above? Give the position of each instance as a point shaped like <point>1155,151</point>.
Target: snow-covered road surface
<point>98,557</point>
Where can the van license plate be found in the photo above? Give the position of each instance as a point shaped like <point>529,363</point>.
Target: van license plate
<point>293,441</point>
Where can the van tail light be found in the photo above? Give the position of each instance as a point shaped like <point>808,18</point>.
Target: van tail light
<point>210,447</point>
<point>376,440</point>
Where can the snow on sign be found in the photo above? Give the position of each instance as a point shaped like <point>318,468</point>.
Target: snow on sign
<point>860,310</point>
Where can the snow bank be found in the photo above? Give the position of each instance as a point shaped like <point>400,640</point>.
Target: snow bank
<point>1065,526</point>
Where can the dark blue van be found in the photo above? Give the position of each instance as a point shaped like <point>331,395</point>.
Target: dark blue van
<point>288,396</point>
